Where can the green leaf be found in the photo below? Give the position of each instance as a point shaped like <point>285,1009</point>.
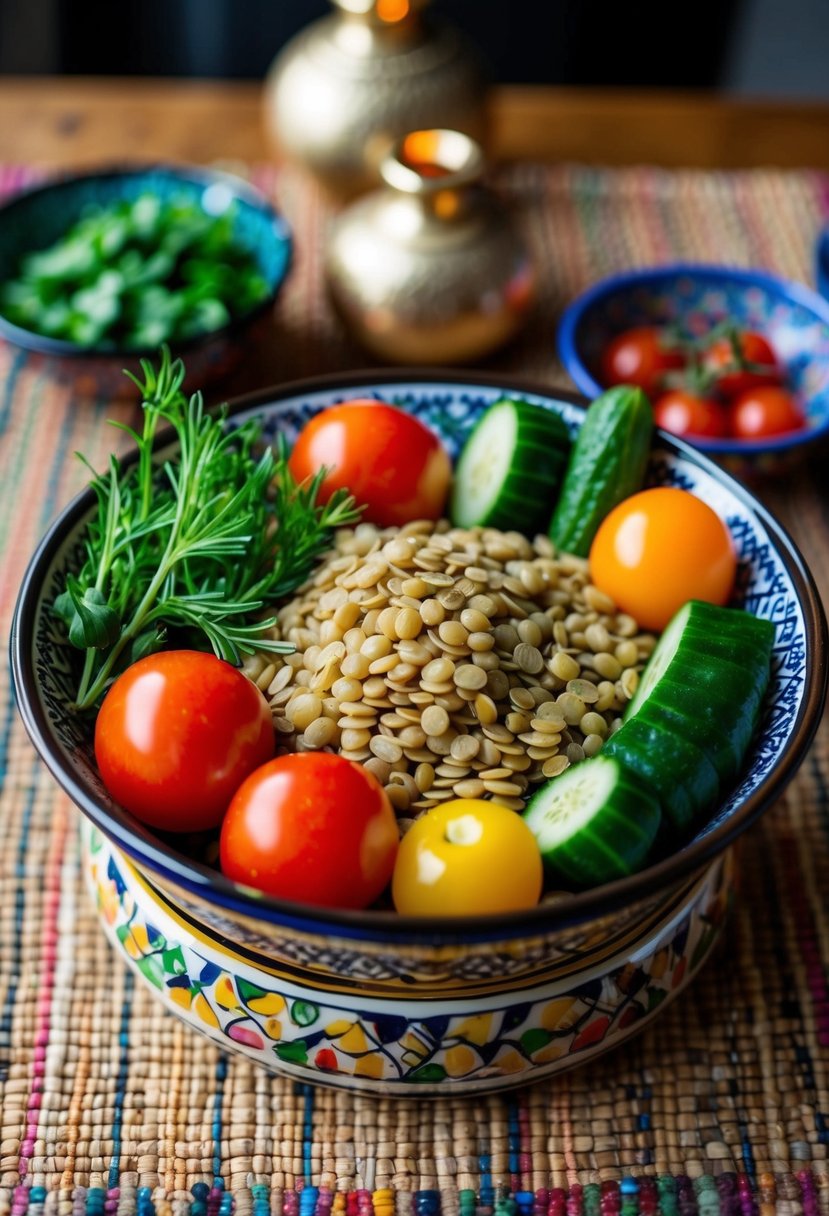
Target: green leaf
<point>294,1053</point>
<point>90,620</point>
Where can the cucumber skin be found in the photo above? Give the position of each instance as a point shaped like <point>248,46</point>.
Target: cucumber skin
<point>513,506</point>
<point>685,782</point>
<point>607,464</point>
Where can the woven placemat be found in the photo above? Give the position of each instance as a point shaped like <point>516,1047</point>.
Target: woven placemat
<point>107,1103</point>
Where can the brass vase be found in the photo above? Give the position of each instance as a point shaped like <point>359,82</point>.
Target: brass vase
<point>431,268</point>
<point>350,84</point>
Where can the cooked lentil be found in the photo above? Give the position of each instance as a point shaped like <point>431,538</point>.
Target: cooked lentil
<point>451,662</point>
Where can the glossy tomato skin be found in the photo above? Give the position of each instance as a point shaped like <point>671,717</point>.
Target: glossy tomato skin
<point>389,460</point>
<point>176,735</point>
<point>690,415</point>
<point>467,857</point>
<point>642,357</point>
<point>657,550</point>
<point>313,828</point>
<point>751,364</point>
<point>765,411</point>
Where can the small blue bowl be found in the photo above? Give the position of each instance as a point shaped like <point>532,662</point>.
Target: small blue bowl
<point>36,218</point>
<point>693,298</point>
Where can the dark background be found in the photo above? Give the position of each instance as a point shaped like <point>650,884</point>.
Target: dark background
<point>762,47</point>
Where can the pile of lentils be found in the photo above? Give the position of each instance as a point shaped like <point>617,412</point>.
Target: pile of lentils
<point>452,663</point>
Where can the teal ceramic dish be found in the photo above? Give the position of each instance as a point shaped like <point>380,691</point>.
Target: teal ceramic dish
<point>36,218</point>
<point>694,298</point>
<point>399,1005</point>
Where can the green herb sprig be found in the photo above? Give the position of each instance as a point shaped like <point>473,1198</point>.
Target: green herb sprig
<point>201,542</point>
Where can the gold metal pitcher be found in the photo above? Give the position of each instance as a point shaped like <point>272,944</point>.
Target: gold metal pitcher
<point>347,87</point>
<point>431,268</point>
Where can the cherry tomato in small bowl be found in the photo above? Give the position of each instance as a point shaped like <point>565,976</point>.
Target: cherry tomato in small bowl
<point>660,548</point>
<point>388,459</point>
<point>689,415</point>
<point>467,857</point>
<point>176,735</point>
<point>740,361</point>
<point>641,356</point>
<point>311,827</point>
<point>763,411</point>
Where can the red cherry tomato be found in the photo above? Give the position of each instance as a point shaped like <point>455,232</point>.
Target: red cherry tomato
<point>763,411</point>
<point>314,828</point>
<point>685,413</point>
<point>657,550</point>
<point>745,361</point>
<point>176,735</point>
<point>389,460</point>
<point>640,356</point>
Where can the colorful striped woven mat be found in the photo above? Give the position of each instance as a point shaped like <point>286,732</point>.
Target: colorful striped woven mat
<point>108,1104</point>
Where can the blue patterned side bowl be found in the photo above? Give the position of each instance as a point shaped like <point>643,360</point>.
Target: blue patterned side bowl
<point>397,1005</point>
<point>36,218</point>
<point>694,298</point>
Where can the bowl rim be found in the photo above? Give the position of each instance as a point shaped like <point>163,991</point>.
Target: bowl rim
<point>382,926</point>
<point>203,175</point>
<point>797,293</point>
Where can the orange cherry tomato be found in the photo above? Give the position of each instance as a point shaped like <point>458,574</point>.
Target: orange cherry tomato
<point>640,356</point>
<point>468,857</point>
<point>389,460</point>
<point>657,550</point>
<point>764,411</point>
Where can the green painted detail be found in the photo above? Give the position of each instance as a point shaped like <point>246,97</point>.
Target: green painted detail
<point>534,1040</point>
<point>428,1074</point>
<point>293,1053</point>
<point>303,1013</point>
<point>151,968</point>
<point>173,961</point>
<point>249,992</point>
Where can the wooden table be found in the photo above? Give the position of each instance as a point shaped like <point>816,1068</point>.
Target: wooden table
<point>70,122</point>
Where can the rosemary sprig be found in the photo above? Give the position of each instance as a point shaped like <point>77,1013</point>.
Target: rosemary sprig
<point>199,544</point>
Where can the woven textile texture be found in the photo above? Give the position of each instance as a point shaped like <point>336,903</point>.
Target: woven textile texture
<point>107,1103</point>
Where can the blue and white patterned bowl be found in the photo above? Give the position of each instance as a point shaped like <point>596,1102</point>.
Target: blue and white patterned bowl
<point>398,1005</point>
<point>36,218</point>
<point>694,298</point>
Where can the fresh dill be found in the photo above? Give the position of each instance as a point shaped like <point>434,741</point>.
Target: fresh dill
<point>199,543</point>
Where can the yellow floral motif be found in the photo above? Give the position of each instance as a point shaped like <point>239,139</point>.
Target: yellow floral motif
<point>204,1011</point>
<point>659,965</point>
<point>553,1051</point>
<point>556,1014</point>
<point>137,944</point>
<point>369,1066</point>
<point>476,1029</point>
<point>459,1061</point>
<point>335,1029</point>
<point>273,1028</point>
<point>181,996</point>
<point>354,1041</point>
<point>109,903</point>
<point>511,1061</point>
<point>225,993</point>
<point>414,1046</point>
<point>268,1005</point>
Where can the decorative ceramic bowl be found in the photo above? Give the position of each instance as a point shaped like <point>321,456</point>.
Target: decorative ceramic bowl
<point>693,299</point>
<point>36,218</point>
<point>390,1004</point>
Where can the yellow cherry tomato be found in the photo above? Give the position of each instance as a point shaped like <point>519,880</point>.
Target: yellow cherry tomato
<point>660,548</point>
<point>467,858</point>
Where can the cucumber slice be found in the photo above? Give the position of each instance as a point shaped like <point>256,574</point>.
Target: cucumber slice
<point>691,649</point>
<point>680,774</point>
<point>606,465</point>
<point>593,823</point>
<point>691,715</point>
<point>510,469</point>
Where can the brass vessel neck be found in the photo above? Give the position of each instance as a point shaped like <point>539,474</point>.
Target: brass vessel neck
<point>436,167</point>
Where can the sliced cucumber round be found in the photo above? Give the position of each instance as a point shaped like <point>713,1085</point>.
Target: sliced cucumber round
<point>593,823</point>
<point>680,774</point>
<point>700,648</point>
<point>509,472</point>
